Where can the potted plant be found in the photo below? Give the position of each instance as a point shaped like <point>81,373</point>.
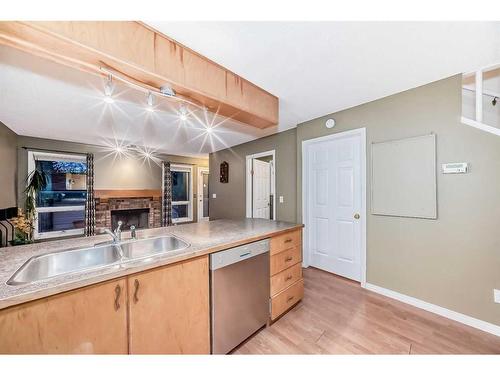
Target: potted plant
<point>23,230</point>
<point>24,223</point>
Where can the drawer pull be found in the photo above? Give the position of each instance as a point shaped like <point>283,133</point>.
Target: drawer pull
<point>289,299</point>
<point>288,259</point>
<point>289,277</point>
<point>288,240</point>
<point>118,292</point>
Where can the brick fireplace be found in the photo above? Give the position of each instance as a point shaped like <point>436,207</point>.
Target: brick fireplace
<point>127,204</point>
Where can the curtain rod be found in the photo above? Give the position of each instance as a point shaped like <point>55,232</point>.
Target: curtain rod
<point>54,151</point>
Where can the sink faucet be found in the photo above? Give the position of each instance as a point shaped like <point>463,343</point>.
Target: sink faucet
<point>116,234</point>
<point>133,232</point>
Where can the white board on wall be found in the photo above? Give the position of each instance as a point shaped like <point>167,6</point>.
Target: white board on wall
<point>403,177</point>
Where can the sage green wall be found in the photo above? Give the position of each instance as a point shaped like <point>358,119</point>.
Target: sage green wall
<point>231,198</point>
<point>8,160</point>
<point>110,173</point>
<point>454,261</point>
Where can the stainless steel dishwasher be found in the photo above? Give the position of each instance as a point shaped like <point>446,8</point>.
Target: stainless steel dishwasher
<point>239,280</point>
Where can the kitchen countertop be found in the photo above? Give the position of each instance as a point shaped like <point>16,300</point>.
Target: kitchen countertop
<point>204,238</point>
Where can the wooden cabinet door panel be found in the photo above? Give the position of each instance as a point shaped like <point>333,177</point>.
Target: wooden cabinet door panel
<point>90,320</point>
<point>169,309</point>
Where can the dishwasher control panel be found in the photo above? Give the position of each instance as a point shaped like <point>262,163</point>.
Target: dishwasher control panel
<point>236,254</point>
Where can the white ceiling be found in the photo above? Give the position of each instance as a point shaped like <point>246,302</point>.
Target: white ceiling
<point>314,68</point>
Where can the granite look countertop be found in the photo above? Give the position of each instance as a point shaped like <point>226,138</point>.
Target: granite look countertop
<point>204,238</point>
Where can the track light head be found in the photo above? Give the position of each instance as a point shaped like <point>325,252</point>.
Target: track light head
<point>183,113</point>
<point>494,101</point>
<point>108,90</point>
<point>151,102</point>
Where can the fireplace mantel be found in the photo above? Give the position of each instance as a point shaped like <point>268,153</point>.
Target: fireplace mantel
<point>129,193</point>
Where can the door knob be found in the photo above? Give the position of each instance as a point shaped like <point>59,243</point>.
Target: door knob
<point>356,216</point>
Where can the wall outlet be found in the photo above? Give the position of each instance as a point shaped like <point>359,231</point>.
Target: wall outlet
<point>496,295</point>
<point>214,195</point>
<point>281,198</point>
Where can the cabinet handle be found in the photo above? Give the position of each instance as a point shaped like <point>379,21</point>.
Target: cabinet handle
<point>289,277</point>
<point>289,299</point>
<point>287,259</point>
<point>136,285</point>
<point>118,292</point>
<point>288,240</point>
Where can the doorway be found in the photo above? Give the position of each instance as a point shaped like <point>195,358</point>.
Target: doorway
<point>261,185</point>
<point>203,194</point>
<point>334,203</point>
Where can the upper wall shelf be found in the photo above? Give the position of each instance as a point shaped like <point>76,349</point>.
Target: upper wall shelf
<point>149,57</point>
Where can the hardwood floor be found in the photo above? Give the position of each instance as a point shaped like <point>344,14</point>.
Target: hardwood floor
<point>337,316</point>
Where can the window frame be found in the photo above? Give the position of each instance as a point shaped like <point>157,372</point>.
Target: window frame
<point>54,156</point>
<point>189,169</point>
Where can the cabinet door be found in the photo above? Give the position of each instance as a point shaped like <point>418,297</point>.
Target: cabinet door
<point>169,309</point>
<point>87,320</point>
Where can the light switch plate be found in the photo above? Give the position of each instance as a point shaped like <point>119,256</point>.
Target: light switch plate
<point>281,198</point>
<point>496,295</point>
<point>214,195</point>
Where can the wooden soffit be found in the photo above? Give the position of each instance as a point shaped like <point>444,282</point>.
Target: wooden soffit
<point>147,56</point>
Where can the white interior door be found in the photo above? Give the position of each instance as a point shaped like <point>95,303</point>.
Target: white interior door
<point>203,194</point>
<point>261,189</point>
<point>334,204</point>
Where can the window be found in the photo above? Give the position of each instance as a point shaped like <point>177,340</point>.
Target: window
<point>60,206</point>
<point>182,193</point>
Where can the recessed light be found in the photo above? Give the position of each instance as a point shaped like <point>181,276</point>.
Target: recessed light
<point>209,129</point>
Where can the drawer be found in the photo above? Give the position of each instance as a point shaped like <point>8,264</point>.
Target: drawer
<point>286,278</point>
<point>285,259</point>
<point>286,241</point>
<point>287,298</point>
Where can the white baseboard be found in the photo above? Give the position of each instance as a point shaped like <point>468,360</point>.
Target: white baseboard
<point>450,314</point>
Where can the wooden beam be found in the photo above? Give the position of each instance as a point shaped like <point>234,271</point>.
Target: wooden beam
<point>147,56</point>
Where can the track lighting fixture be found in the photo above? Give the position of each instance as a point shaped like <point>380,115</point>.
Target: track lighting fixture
<point>151,102</point>
<point>494,101</point>
<point>183,113</point>
<point>108,90</point>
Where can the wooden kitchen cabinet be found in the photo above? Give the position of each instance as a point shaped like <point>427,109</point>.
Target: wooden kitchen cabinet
<point>90,320</point>
<point>169,309</point>
<point>287,284</point>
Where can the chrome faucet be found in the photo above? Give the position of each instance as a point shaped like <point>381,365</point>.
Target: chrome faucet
<point>116,234</point>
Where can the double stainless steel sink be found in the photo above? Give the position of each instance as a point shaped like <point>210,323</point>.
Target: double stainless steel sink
<point>49,265</point>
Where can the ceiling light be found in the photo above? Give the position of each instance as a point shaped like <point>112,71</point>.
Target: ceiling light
<point>151,102</point>
<point>167,91</point>
<point>108,90</point>
<point>183,113</point>
<point>118,149</point>
<point>209,129</point>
